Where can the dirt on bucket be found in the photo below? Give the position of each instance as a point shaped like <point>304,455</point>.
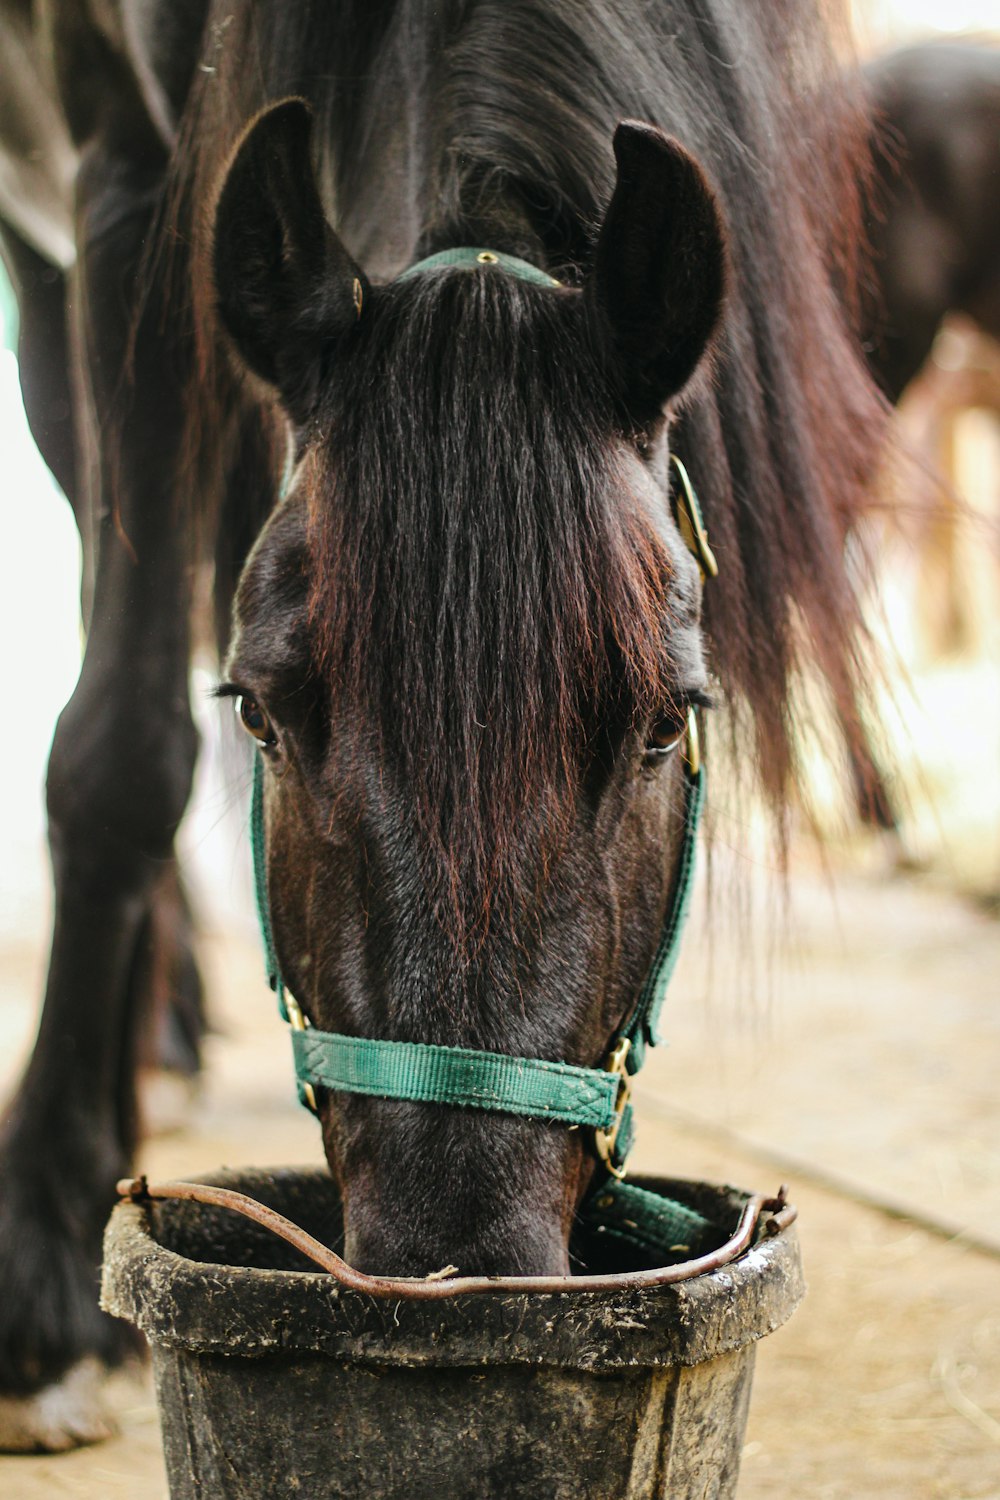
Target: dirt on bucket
<point>275,1379</point>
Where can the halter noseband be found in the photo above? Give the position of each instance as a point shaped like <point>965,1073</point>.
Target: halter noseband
<point>596,1099</point>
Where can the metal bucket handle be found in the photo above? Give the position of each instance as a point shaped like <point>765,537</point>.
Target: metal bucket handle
<point>771,1215</point>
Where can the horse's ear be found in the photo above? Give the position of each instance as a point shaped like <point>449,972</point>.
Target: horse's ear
<point>285,286</point>
<point>656,290</point>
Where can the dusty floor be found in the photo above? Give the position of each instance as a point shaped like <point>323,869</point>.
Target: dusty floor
<point>863,1071</point>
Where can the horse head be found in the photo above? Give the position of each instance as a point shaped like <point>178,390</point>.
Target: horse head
<point>467,645</point>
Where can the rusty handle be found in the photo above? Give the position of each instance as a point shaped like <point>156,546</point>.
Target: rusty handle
<point>781,1214</point>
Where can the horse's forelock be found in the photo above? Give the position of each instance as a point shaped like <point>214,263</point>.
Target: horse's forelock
<point>484,588</point>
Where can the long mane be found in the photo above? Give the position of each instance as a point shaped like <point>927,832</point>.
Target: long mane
<point>438,124</point>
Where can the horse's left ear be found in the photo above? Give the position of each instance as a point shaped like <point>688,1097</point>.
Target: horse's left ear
<point>655,293</point>
<point>286,288</point>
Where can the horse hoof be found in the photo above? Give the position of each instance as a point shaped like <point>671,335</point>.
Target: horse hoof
<point>67,1414</point>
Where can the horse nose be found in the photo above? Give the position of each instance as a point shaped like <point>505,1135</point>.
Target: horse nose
<point>392,1247</point>
<point>426,1188</point>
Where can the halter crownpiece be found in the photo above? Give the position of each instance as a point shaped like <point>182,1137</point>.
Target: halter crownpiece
<point>596,1099</point>
<point>467,257</point>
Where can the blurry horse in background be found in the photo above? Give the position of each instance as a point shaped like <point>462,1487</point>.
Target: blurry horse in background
<point>936,233</point>
<point>468,635</point>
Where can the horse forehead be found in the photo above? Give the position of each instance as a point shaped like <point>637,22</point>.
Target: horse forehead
<point>274,600</point>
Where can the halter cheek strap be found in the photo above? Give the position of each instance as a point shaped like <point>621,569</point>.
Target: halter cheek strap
<point>595,1099</point>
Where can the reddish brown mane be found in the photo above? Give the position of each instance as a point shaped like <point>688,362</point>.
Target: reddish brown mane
<point>485,596</point>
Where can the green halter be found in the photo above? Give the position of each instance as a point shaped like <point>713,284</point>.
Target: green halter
<point>596,1099</point>
<point>466,257</point>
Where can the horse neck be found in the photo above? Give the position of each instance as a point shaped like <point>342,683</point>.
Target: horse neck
<point>403,206</point>
<point>442,167</point>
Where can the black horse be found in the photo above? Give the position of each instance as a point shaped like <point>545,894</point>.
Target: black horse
<point>936,234</point>
<point>468,639</point>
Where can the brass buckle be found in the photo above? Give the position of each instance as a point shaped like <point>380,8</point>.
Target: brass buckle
<point>692,750</point>
<point>691,525</point>
<point>604,1140</point>
<point>297,1021</point>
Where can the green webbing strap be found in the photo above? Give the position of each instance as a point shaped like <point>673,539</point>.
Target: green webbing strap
<point>532,1087</point>
<point>469,257</point>
<point>643,1027</point>
<point>258,851</point>
<point>645,1221</point>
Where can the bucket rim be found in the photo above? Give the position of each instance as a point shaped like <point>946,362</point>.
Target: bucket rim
<point>209,1306</point>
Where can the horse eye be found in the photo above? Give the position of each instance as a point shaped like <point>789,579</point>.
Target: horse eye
<point>254,719</point>
<point>666,734</point>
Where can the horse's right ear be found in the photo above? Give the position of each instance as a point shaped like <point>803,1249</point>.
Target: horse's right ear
<point>285,286</point>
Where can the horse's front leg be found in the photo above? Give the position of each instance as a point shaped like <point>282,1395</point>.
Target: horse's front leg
<point>119,776</point>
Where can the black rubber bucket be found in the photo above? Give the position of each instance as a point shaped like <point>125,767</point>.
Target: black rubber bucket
<point>274,1380</point>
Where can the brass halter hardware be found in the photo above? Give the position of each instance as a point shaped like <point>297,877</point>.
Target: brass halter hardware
<point>692,750</point>
<point>298,1022</point>
<point>604,1140</point>
<point>691,525</point>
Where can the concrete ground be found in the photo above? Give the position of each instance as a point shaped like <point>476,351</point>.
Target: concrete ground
<point>862,1069</point>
